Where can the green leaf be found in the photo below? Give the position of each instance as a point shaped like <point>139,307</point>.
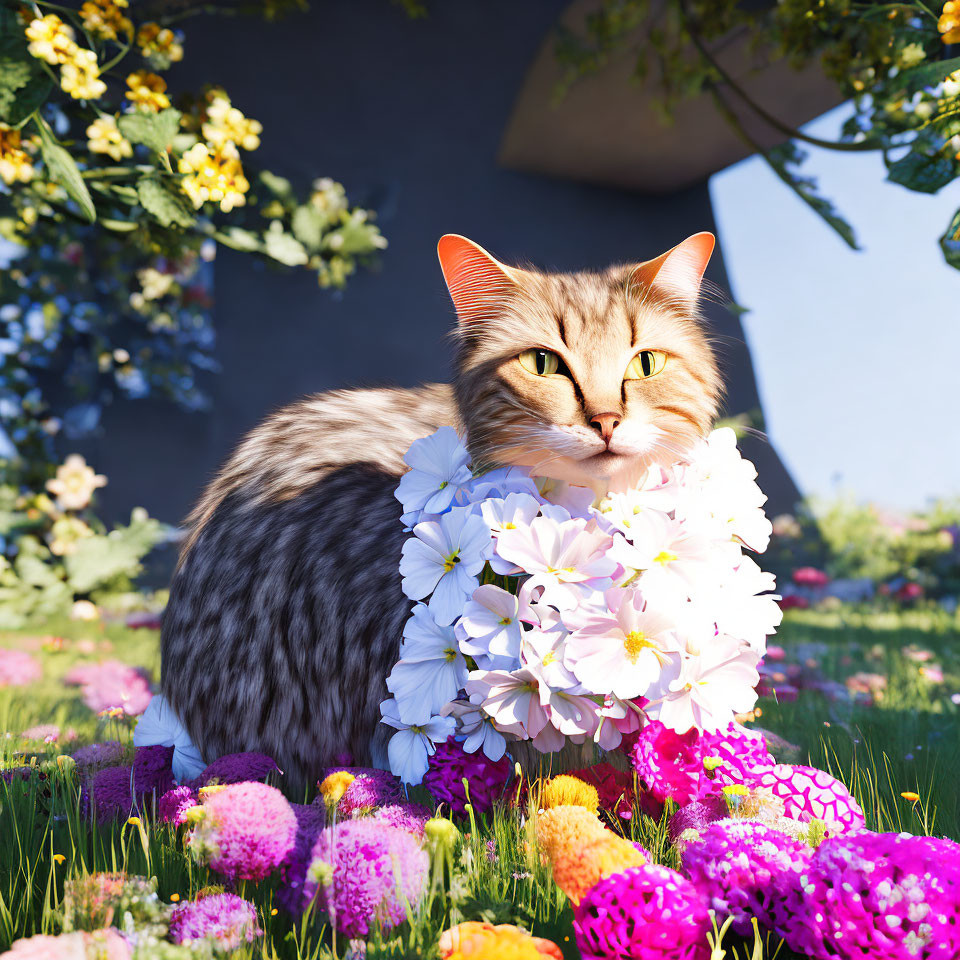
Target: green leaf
<point>98,560</point>
<point>283,246</point>
<point>23,84</point>
<point>280,187</point>
<point>153,130</point>
<point>165,202</point>
<point>237,238</point>
<point>925,173</point>
<point>950,242</point>
<point>928,74</point>
<point>62,169</point>
<point>308,225</point>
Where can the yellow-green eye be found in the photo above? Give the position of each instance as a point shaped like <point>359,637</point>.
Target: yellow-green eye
<point>540,362</point>
<point>646,364</point>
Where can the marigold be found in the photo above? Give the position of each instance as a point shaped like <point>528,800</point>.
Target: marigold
<point>104,136</point>
<point>160,45</point>
<point>484,941</point>
<point>80,76</point>
<point>226,123</point>
<point>569,791</point>
<point>50,39</point>
<point>147,90</point>
<point>104,20</point>
<point>14,161</point>
<point>335,785</point>
<point>949,22</point>
<point>217,177</point>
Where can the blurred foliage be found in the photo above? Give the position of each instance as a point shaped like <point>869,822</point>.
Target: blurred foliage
<point>854,541</point>
<point>57,558</point>
<point>892,60</point>
<point>113,202</point>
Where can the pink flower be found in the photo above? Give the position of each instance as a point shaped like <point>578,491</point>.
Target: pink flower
<point>111,685</point>
<point>224,918</point>
<point>174,804</point>
<point>18,669</point>
<point>810,794</point>
<point>810,577</point>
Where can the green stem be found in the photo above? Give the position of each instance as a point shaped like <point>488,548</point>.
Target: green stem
<point>110,64</point>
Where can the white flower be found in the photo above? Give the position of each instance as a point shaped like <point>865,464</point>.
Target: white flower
<point>657,491</point>
<point>511,700</point>
<point>74,483</point>
<point>476,728</point>
<point>443,558</point>
<point>711,687</point>
<point>411,747</point>
<point>515,509</point>
<point>576,500</point>
<point>489,630</point>
<point>543,652</point>
<point>431,671</point>
<point>623,648</point>
<point>439,470</point>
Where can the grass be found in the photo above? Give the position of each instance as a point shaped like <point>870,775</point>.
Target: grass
<point>907,741</point>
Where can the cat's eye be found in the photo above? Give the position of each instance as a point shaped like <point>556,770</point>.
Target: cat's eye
<point>540,362</point>
<point>646,364</point>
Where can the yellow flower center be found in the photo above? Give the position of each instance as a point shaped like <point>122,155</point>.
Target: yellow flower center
<point>634,643</point>
<point>664,557</point>
<point>450,562</point>
<point>551,657</point>
<point>450,654</point>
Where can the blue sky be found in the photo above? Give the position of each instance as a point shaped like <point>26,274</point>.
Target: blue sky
<point>857,354</point>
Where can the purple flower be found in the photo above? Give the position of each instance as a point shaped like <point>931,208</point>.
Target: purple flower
<point>110,685</point>
<point>115,792</point>
<point>692,765</point>
<point>18,668</point>
<point>739,866</point>
<point>371,788</point>
<point>650,912</point>
<point>882,896</point>
<point>224,918</point>
<point>293,870</point>
<point>174,804</point>
<point>366,873</point>
<point>247,831</point>
<point>448,767</point>
<point>237,768</point>
<point>98,755</point>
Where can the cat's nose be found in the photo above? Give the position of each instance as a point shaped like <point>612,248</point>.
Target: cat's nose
<point>605,424</point>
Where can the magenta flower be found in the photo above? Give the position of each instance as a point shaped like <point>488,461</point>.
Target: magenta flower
<point>225,919</point>
<point>810,577</point>
<point>690,766</point>
<point>882,896</point>
<point>370,788</point>
<point>18,669</point>
<point>110,685</point>
<point>366,874</point>
<point>648,912</point>
<point>247,831</point>
<point>448,767</point>
<point>810,794</point>
<point>410,817</point>
<point>174,804</point>
<point>740,867</point>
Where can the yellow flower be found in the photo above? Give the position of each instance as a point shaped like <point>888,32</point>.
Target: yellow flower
<point>949,22</point>
<point>226,123</point>
<point>154,283</point>
<point>174,897</point>
<point>911,796</point>
<point>103,19</point>
<point>194,815</point>
<point>159,45</point>
<point>67,532</point>
<point>147,90</point>
<point>59,857</point>
<point>14,161</point>
<point>80,76</point>
<point>104,136</point>
<point>217,177</point>
<point>205,792</point>
<point>335,785</point>
<point>478,940</point>
<point>569,791</point>
<point>134,821</point>
<point>51,39</point>
<point>74,483</point>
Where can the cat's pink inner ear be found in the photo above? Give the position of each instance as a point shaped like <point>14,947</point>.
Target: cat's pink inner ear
<point>478,283</point>
<point>679,271</point>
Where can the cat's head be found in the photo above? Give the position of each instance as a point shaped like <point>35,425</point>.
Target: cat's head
<point>586,377</point>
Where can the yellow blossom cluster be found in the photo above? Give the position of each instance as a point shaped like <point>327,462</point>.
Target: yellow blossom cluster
<point>147,90</point>
<point>15,162</point>
<point>225,123</point>
<point>949,22</point>
<point>335,785</point>
<point>104,136</point>
<point>581,850</point>
<point>53,41</point>
<point>565,790</point>
<point>159,44</point>
<point>104,19</point>
<point>214,175</point>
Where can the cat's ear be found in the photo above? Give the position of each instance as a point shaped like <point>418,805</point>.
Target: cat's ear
<point>679,271</point>
<point>478,283</point>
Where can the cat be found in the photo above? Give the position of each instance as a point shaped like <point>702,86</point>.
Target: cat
<point>285,610</point>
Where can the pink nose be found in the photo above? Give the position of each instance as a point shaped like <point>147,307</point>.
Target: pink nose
<point>605,423</point>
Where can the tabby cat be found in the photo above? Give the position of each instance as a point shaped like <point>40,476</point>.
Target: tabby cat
<point>285,611</point>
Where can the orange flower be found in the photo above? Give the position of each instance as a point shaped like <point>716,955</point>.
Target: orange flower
<point>911,796</point>
<point>949,22</point>
<point>474,940</point>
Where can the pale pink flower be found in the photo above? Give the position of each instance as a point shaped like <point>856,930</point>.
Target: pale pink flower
<point>511,700</point>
